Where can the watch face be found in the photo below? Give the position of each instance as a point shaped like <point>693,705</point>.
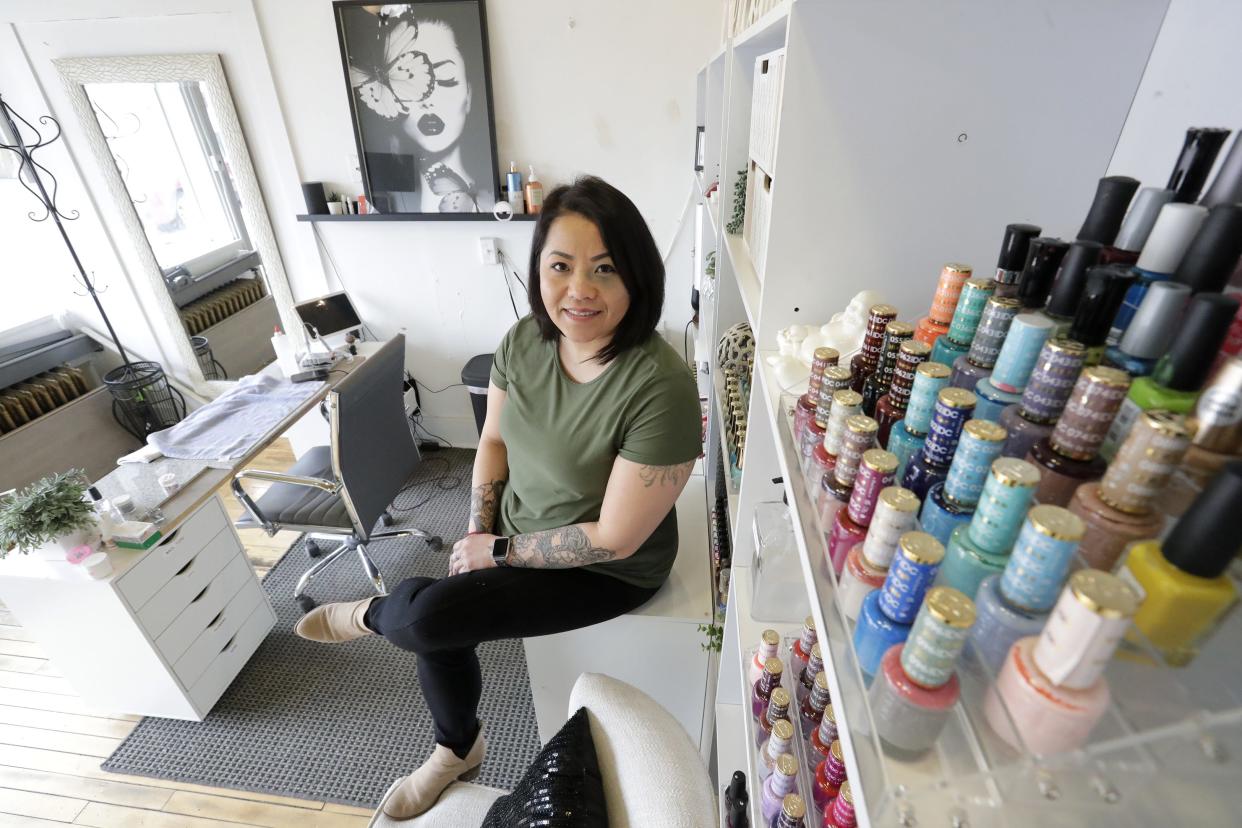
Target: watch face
<point>500,550</point>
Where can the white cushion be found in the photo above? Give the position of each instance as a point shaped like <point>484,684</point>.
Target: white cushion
<point>653,774</point>
<point>462,804</point>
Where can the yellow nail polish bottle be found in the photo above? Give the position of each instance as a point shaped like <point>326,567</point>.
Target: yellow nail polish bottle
<point>1183,583</point>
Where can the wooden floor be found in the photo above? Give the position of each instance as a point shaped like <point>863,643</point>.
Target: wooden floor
<point>51,745</point>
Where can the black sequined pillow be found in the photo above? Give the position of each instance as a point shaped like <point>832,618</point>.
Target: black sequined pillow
<point>561,789</point>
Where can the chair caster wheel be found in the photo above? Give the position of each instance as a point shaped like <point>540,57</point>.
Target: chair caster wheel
<point>306,603</point>
<point>386,519</point>
<point>312,548</point>
<point>435,543</point>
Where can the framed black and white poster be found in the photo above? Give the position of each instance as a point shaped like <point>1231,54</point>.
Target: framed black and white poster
<point>420,94</point>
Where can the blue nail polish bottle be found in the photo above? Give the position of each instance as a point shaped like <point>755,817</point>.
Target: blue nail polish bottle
<point>953,408</point>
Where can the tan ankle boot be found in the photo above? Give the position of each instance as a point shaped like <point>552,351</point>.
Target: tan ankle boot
<point>335,623</point>
<point>417,792</point>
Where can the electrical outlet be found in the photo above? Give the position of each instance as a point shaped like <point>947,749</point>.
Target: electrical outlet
<point>487,250</point>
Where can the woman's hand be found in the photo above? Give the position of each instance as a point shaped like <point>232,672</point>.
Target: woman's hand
<point>471,553</point>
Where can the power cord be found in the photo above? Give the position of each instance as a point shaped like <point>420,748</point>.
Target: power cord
<point>444,481</point>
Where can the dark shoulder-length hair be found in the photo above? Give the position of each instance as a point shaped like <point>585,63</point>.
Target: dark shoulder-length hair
<point>628,241</point>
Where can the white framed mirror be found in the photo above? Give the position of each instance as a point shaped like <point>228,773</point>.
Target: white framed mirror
<point>167,140</point>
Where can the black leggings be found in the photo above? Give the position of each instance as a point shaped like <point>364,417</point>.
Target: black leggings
<point>443,620</point>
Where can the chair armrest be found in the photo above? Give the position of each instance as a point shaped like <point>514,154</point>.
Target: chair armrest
<point>244,498</point>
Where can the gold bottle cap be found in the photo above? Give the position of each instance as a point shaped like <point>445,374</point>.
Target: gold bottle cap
<point>1167,423</point>
<point>1065,345</point>
<point>847,398</point>
<point>773,665</point>
<point>1103,375</point>
<point>914,347</point>
<point>845,792</point>
<point>951,607</point>
<point>771,637</point>
<point>880,460</point>
<point>787,764</point>
<point>1104,593</point>
<point>835,748</point>
<point>957,398</point>
<point>985,285</point>
<point>780,696</point>
<point>862,424</point>
<point>829,715</point>
<point>1056,522</point>
<point>821,680</point>
<point>839,374</point>
<point>815,651</point>
<point>1005,302</point>
<point>782,729</point>
<point>825,354</point>
<point>922,548</point>
<point>882,310</point>
<point>986,430</point>
<point>956,267</point>
<point>897,330</point>
<point>933,370</point>
<point>793,806</point>
<point>809,622</point>
<point>1010,471</point>
<point>899,499</point>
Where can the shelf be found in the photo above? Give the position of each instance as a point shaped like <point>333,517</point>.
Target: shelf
<point>747,280</point>
<point>766,33</point>
<point>417,217</point>
<point>718,395</point>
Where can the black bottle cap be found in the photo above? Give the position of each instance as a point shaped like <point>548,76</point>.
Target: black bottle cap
<point>1013,245</point>
<point>1112,199</point>
<point>1214,251</point>
<point>1227,185</point>
<point>1101,297</point>
<point>737,788</point>
<point>1189,359</point>
<point>94,493</point>
<point>1195,162</point>
<point>1206,539</point>
<point>1043,257</point>
<point>1072,277</point>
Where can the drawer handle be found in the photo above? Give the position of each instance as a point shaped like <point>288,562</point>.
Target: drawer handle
<point>187,566</point>
<point>170,541</point>
<point>229,646</point>
<point>199,597</point>
<point>215,622</point>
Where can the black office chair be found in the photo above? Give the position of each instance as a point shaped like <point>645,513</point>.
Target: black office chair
<point>340,491</point>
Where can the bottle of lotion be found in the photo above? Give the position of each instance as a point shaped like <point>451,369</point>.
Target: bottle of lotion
<point>514,185</point>
<point>534,193</point>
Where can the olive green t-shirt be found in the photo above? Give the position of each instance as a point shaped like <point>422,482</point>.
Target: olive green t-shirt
<point>563,436</point>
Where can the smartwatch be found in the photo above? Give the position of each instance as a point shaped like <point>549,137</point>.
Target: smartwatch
<point>500,551</point>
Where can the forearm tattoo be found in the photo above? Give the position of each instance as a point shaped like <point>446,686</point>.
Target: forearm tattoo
<point>484,503</point>
<point>561,548</point>
<point>665,475</point>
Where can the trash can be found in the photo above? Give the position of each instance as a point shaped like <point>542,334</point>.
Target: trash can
<point>475,377</point>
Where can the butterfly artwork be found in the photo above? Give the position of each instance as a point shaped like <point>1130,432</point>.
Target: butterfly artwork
<point>401,75</point>
<point>454,192</point>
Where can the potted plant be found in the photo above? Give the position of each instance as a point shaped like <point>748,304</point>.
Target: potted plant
<point>48,518</point>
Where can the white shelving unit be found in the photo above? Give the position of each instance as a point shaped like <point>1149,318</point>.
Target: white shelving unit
<point>909,133</point>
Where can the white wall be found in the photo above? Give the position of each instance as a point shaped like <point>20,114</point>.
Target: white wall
<point>1192,79</point>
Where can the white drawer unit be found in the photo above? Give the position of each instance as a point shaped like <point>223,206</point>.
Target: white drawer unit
<point>165,635</point>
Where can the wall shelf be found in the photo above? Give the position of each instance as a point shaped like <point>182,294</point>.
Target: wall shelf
<point>416,217</point>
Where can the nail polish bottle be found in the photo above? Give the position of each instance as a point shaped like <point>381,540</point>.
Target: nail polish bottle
<point>1051,692</point>
<point>840,812</point>
<point>1175,381</point>
<point>1214,251</point>
<point>953,408</point>
<point>1182,582</point>
<point>916,687</point>
<point>800,650</point>
<point>849,526</point>
<point>805,680</point>
<point>1102,295</point>
<point>1068,286</point>
<point>1150,330</point>
<point>805,408</point>
<point>1120,508</point>
<point>773,669</point>
<point>1226,188</point>
<point>1031,420</point>
<point>906,437</point>
<point>950,504</point>
<point>955,343</point>
<point>981,548</point>
<point>1218,411</point>
<point>779,744</point>
<point>891,406</point>
<point>792,813</point>
<point>866,565</point>
<point>1176,226</point>
<point>736,793</point>
<point>834,379</point>
<point>944,301</point>
<point>888,612</point>
<point>822,737</point>
<point>1194,163</point>
<point>835,492</point>
<point>1043,260</point>
<point>829,776</point>
<point>782,783</point>
<point>1136,226</point>
<point>1012,257</point>
<point>813,706</point>
<point>998,314</point>
<point>864,363</point>
<point>878,383</point>
<point>1108,208</point>
<point>1027,335</point>
<point>778,709</point>
<point>1016,603</point>
<point>1071,454</point>
<point>846,403</point>
<point>769,646</point>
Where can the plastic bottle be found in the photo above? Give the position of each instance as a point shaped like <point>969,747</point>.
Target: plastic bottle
<point>107,515</point>
<point>534,193</point>
<point>513,184</point>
